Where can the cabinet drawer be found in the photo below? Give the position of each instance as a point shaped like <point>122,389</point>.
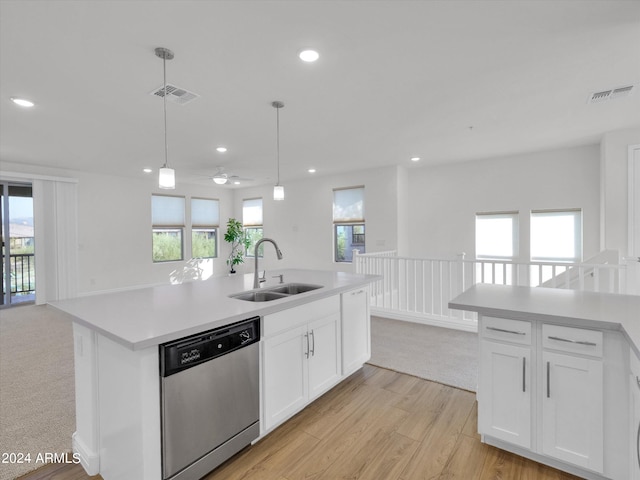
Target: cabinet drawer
<point>505,329</point>
<point>296,316</point>
<point>572,340</point>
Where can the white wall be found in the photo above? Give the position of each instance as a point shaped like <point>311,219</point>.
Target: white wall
<point>614,150</point>
<point>114,229</point>
<point>114,232</point>
<point>420,211</point>
<point>444,199</point>
<point>302,224</point>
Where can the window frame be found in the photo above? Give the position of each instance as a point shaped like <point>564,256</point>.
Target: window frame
<point>352,221</point>
<point>213,227</point>
<point>258,227</point>
<point>164,228</point>
<point>578,244</point>
<point>514,216</point>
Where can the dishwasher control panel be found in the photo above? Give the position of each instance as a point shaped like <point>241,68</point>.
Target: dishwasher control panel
<point>190,351</point>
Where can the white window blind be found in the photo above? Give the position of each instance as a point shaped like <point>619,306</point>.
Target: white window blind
<point>556,235</point>
<point>167,211</point>
<point>496,235</point>
<point>205,212</point>
<point>348,205</point>
<point>252,212</point>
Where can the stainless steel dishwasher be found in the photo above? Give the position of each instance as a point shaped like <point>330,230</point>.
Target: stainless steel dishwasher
<point>210,398</point>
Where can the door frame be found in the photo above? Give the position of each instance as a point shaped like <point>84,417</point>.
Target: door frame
<point>633,223</point>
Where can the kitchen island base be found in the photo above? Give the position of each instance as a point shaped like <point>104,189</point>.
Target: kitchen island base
<point>553,383</point>
<point>117,363</point>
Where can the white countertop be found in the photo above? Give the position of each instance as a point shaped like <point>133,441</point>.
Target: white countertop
<point>144,317</point>
<point>572,307</point>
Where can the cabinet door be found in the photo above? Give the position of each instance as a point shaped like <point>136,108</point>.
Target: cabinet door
<point>284,375</point>
<point>324,354</point>
<point>356,330</point>
<point>634,441</point>
<point>504,392</point>
<point>572,409</point>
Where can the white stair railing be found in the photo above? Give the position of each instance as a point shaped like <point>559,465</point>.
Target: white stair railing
<point>419,289</point>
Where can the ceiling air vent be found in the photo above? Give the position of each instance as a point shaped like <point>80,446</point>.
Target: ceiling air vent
<point>605,95</point>
<point>175,94</point>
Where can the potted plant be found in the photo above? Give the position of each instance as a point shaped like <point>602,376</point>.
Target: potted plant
<point>239,241</point>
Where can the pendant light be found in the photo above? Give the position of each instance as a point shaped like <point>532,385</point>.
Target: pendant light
<point>278,190</point>
<point>167,177</point>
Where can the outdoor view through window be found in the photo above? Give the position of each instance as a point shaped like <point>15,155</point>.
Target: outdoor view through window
<point>18,265</point>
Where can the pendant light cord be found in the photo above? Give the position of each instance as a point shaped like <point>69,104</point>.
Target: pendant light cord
<point>164,102</point>
<point>278,141</point>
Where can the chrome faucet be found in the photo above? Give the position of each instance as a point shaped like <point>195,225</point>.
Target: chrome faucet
<point>256,280</point>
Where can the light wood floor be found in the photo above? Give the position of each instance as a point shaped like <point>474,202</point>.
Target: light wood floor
<point>378,425</point>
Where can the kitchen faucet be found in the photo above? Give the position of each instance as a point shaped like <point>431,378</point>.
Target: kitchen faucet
<point>256,280</point>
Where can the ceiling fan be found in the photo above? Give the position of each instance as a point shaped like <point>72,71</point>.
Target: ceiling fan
<point>222,178</point>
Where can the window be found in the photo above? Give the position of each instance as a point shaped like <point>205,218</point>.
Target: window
<point>497,235</point>
<point>556,235</point>
<point>167,219</point>
<point>348,223</point>
<point>205,220</point>
<point>252,223</point>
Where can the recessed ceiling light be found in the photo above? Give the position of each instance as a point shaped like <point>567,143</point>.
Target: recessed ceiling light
<point>221,149</point>
<point>147,170</point>
<point>415,159</point>
<point>309,55</point>
<point>312,170</point>
<point>22,102</point>
<point>236,182</point>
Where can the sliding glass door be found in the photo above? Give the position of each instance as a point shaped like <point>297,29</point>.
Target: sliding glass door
<point>18,248</point>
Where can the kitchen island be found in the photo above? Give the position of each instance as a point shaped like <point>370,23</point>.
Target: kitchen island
<point>559,376</point>
<point>117,366</point>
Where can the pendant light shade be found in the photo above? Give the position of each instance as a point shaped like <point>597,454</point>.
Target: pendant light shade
<point>167,178</point>
<point>167,175</point>
<point>278,190</point>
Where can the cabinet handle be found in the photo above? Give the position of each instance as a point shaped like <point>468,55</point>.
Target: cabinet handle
<point>638,381</point>
<point>358,292</point>
<point>313,344</point>
<point>548,380</point>
<point>524,362</point>
<point>579,342</point>
<point>505,331</point>
<point>306,353</point>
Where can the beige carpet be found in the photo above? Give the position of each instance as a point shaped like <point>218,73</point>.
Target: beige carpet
<point>37,393</point>
<point>433,353</point>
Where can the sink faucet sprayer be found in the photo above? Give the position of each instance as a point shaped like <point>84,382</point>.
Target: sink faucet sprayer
<point>256,280</point>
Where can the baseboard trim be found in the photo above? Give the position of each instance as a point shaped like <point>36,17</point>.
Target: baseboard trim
<point>551,462</point>
<point>456,324</point>
<point>89,460</point>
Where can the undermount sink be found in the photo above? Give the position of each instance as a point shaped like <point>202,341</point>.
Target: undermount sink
<point>294,288</point>
<point>275,293</point>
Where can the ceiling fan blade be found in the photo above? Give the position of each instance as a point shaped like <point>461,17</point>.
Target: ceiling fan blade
<point>240,179</point>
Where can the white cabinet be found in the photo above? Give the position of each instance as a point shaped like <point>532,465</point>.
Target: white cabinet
<point>634,430</point>
<point>301,358</point>
<point>285,380</point>
<point>572,410</point>
<point>356,329</point>
<point>541,389</point>
<point>323,354</point>
<point>572,397</point>
<point>504,382</point>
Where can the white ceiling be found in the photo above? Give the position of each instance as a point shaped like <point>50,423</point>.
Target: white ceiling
<point>444,80</point>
